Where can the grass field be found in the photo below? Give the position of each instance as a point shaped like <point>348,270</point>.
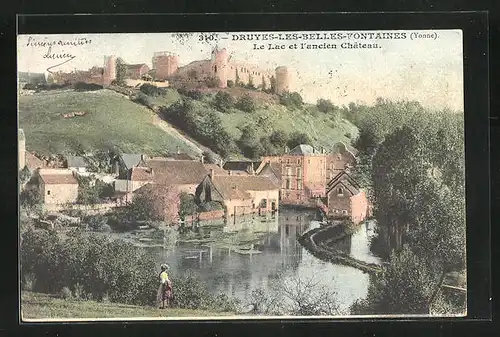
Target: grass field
<point>111,121</point>
<point>37,306</point>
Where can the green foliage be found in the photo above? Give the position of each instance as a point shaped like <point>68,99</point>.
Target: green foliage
<point>223,101</point>
<point>249,143</point>
<point>246,103</point>
<point>82,86</point>
<point>30,199</point>
<point>230,84</point>
<point>292,100</point>
<point>100,161</point>
<point>91,265</point>
<point>325,105</point>
<point>24,175</point>
<point>279,138</point>
<point>142,208</point>
<point>272,88</point>
<point>212,82</point>
<point>298,138</point>
<point>152,90</point>
<point>88,193</point>
<point>187,205</point>
<point>97,223</point>
<point>121,72</point>
<point>404,287</point>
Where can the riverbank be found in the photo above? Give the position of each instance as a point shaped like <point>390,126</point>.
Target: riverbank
<point>38,306</point>
<point>316,241</point>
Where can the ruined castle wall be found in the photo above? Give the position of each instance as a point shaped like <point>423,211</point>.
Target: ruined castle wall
<point>109,70</point>
<point>282,80</point>
<point>203,70</point>
<point>165,66</point>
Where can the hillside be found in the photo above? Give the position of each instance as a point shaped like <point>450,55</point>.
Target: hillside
<point>112,120</point>
<point>37,306</point>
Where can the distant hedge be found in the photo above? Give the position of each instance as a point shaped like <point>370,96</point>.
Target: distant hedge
<point>82,86</point>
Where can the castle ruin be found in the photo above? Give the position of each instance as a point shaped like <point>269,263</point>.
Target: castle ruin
<point>165,66</point>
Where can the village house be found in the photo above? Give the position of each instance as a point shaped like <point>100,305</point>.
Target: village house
<point>76,163</point>
<point>239,194</point>
<point>340,158</point>
<point>303,174</point>
<point>57,186</point>
<point>346,199</point>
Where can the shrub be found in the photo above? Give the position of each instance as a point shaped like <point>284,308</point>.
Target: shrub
<point>152,90</point>
<point>230,83</point>
<point>82,86</point>
<point>29,281</point>
<point>246,103</point>
<point>278,138</point>
<point>297,138</point>
<point>24,175</point>
<point>212,82</point>
<point>65,293</point>
<point>223,101</point>
<point>144,99</point>
<point>325,105</point>
<point>291,100</point>
<point>97,223</point>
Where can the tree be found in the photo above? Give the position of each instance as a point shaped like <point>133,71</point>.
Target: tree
<point>298,138</point>
<point>272,82</point>
<point>325,105</point>
<point>223,101</point>
<point>279,138</point>
<point>87,192</point>
<point>151,203</point>
<point>405,286</point>
<point>292,100</point>
<point>187,205</point>
<point>121,72</point>
<point>246,103</point>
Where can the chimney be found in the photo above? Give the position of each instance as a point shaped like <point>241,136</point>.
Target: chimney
<point>221,163</point>
<point>212,174</point>
<point>286,149</point>
<point>178,150</point>
<point>202,159</point>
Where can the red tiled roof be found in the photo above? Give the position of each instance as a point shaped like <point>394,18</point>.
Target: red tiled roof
<point>141,174</point>
<point>33,162</point>
<point>58,179</point>
<point>237,187</point>
<point>173,172</point>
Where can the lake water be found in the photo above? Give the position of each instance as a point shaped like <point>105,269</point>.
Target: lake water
<point>229,266</point>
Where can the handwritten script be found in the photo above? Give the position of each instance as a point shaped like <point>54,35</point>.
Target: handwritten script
<point>51,48</point>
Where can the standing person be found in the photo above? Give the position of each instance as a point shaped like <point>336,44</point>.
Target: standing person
<point>165,289</point>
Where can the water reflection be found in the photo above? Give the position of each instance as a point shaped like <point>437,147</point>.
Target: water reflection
<point>249,254</point>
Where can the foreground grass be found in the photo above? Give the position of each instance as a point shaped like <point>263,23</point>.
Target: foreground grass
<point>111,121</point>
<point>36,306</point>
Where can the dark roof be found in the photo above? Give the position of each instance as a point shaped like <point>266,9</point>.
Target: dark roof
<point>75,161</point>
<point>131,160</point>
<point>240,165</point>
<point>345,180</point>
<point>237,187</point>
<point>302,149</point>
<point>275,168</point>
<point>58,178</point>
<point>177,172</point>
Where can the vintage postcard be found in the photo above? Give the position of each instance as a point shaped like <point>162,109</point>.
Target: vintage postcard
<point>231,175</point>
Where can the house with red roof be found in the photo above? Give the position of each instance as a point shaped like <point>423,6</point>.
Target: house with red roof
<point>57,186</point>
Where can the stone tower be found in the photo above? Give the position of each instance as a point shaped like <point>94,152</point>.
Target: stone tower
<point>165,64</point>
<point>109,74</point>
<point>220,66</point>
<point>282,80</point>
<point>21,149</point>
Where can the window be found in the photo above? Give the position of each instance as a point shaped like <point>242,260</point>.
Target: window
<point>344,211</point>
<point>288,161</point>
<point>339,156</point>
<point>288,171</point>
<point>287,186</point>
<point>215,69</point>
<point>48,192</point>
<point>340,191</point>
<point>299,184</point>
<point>309,161</point>
<point>299,172</point>
<point>298,161</point>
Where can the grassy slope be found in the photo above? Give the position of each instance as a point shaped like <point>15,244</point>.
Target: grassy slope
<point>111,120</point>
<point>42,306</point>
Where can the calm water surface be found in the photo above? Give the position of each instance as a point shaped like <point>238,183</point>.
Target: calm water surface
<point>237,273</point>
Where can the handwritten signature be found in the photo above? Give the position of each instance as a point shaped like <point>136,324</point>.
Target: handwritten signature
<point>65,57</point>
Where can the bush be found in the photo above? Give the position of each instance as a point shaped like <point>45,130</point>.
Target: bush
<point>212,82</point>
<point>82,86</point>
<point>152,90</point>
<point>97,223</point>
<point>24,175</point>
<point>230,84</point>
<point>65,293</point>
<point>297,138</point>
<point>144,99</point>
<point>223,101</point>
<point>292,100</point>
<point>246,103</point>
<point>325,105</point>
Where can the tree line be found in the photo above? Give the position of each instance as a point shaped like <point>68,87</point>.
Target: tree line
<point>412,160</point>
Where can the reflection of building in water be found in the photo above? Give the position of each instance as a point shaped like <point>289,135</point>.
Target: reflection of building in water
<point>254,223</point>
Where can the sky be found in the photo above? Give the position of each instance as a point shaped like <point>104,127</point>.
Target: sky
<point>428,70</point>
